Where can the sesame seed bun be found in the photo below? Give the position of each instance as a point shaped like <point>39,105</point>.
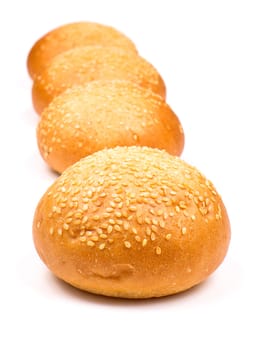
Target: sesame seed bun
<point>105,114</point>
<point>132,222</point>
<point>70,36</point>
<point>85,64</point>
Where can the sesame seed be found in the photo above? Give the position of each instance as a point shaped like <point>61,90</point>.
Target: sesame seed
<point>154,228</point>
<point>109,210</point>
<point>177,208</point>
<point>162,224</point>
<point>118,214</point>
<point>99,230</point>
<point>144,242</point>
<point>38,224</point>
<point>117,228</point>
<point>154,221</point>
<point>103,236</point>
<point>106,215</point>
<point>51,231</point>
<point>109,229</point>
<point>95,238</point>
<point>158,250</point>
<point>151,210</point>
<point>193,217</point>
<point>59,231</point>
<point>148,231</point>
<point>182,205</point>
<point>159,212</point>
<point>90,243</point>
<point>132,208</point>
<point>85,207</point>
<point>134,230</point>
<point>147,220</point>
<point>82,239</point>
<point>139,220</point>
<point>112,204</point>
<point>96,217</point>
<point>153,236</point>
<point>102,246</point>
<point>126,225</point>
<point>137,238</point>
<point>203,210</point>
<point>117,200</point>
<point>184,230</point>
<point>112,221</point>
<point>165,216</point>
<point>85,219</point>
<point>168,236</point>
<point>127,244</point>
<point>65,226</point>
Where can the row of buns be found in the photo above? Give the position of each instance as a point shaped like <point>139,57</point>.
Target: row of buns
<point>126,217</point>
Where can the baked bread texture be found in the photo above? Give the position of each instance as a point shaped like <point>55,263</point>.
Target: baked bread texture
<point>84,64</point>
<point>73,35</point>
<point>104,114</point>
<point>131,222</point>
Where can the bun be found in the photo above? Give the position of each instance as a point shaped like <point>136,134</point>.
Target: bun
<point>105,114</point>
<point>84,64</point>
<point>70,36</point>
<point>132,222</point>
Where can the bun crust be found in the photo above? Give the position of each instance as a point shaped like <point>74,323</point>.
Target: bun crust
<point>84,64</point>
<point>132,222</point>
<point>70,36</point>
<point>105,114</point>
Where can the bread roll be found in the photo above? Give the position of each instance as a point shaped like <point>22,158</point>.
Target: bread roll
<point>131,222</point>
<point>85,64</point>
<point>105,114</point>
<point>73,35</point>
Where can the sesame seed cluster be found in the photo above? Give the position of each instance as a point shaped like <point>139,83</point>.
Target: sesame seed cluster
<point>131,195</point>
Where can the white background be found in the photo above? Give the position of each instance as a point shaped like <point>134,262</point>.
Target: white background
<point>206,53</point>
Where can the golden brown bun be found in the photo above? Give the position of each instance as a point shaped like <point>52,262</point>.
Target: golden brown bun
<point>105,114</point>
<point>70,36</point>
<point>131,222</point>
<point>85,64</point>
